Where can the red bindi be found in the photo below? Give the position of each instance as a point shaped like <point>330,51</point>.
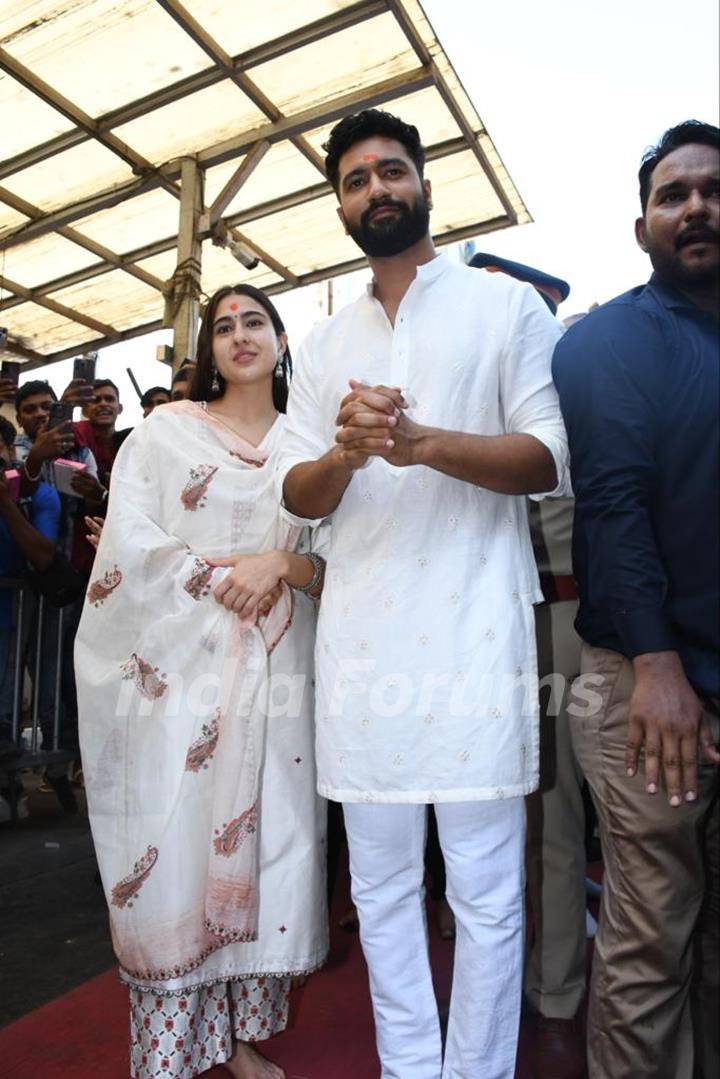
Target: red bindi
<point>370,157</point>
<point>233,307</point>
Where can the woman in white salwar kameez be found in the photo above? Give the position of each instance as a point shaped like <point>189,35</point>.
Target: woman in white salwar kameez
<point>194,668</point>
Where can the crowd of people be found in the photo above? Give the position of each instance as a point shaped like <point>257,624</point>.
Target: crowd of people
<point>345,582</point>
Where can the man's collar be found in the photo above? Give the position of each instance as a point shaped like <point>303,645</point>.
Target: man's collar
<point>426,272</point>
<point>672,297</point>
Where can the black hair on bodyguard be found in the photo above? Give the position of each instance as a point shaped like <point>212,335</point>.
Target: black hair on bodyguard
<point>147,397</point>
<point>100,382</point>
<point>31,389</point>
<point>690,131</point>
<point>201,388</point>
<point>7,432</point>
<point>366,125</point>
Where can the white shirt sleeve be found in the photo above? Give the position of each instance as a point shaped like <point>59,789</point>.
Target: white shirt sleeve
<point>303,437</point>
<point>528,396</point>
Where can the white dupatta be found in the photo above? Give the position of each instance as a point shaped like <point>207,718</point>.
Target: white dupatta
<point>171,688</point>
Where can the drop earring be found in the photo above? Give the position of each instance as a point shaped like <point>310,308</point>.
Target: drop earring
<point>279,366</point>
<point>215,384</point>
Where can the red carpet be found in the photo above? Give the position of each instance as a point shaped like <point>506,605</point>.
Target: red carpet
<point>84,1034</point>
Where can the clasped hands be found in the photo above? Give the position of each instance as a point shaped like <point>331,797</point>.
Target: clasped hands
<point>373,422</point>
<point>253,584</point>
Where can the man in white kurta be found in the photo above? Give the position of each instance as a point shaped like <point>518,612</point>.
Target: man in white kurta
<point>426,666</point>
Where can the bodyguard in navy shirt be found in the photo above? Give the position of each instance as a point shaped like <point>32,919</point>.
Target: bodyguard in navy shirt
<point>639,391</point>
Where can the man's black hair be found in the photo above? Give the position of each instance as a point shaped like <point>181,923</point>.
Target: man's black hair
<point>366,125</point>
<point>690,131</point>
<point>31,389</point>
<point>100,382</point>
<point>146,398</point>
<point>185,373</point>
<point>7,432</point>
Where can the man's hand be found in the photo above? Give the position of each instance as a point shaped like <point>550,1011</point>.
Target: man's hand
<point>77,392</point>
<point>86,486</point>
<point>372,424</point>
<point>251,579</point>
<point>8,389</point>
<point>95,526</point>
<point>666,718</point>
<point>53,443</point>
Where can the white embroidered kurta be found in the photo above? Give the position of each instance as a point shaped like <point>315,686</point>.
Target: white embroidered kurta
<point>200,783</point>
<point>426,664</point>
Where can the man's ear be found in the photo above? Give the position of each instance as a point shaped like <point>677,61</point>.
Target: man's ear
<point>341,215</point>
<point>120,408</point>
<point>640,233</point>
<point>427,188</point>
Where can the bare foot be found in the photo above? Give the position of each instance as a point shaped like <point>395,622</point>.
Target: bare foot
<point>247,1063</point>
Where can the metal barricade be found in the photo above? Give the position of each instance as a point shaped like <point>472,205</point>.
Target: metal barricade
<point>30,617</point>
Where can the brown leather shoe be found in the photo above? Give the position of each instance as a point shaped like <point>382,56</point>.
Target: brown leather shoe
<point>559,1049</point>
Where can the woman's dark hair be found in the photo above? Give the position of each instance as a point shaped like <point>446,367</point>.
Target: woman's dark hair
<point>7,433</point>
<point>201,388</point>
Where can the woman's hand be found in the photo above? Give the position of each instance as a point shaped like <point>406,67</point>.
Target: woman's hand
<point>249,581</point>
<point>95,527</point>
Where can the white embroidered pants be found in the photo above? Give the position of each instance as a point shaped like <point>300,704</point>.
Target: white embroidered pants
<point>483,847</point>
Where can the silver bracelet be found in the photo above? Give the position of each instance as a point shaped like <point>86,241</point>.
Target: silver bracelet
<point>318,565</point>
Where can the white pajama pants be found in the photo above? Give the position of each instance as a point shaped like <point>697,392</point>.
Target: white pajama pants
<point>483,847</point>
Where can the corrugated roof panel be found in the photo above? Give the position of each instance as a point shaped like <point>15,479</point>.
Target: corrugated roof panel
<point>260,21</point>
<point>460,193</point>
<point>102,53</point>
<point>425,109</point>
<point>220,268</point>
<point>360,56</point>
<point>193,122</point>
<point>115,299</point>
<point>10,219</point>
<point>69,177</point>
<point>29,263</point>
<point>40,122</point>
<point>43,331</point>
<point>306,237</point>
<point>133,223</point>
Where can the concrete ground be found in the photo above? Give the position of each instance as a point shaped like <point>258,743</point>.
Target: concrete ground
<point>53,918</point>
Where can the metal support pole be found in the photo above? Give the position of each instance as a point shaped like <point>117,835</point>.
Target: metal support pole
<point>58,682</point>
<point>186,283</point>
<point>18,669</point>
<point>36,675</point>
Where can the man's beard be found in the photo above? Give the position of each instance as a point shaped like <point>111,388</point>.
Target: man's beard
<point>687,275</point>
<point>395,233</point>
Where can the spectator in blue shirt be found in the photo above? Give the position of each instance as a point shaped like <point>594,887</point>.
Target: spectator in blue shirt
<point>26,539</point>
<point>638,384</point>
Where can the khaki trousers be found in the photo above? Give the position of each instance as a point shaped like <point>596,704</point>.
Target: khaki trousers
<point>654,1002</point>
<point>555,972</point>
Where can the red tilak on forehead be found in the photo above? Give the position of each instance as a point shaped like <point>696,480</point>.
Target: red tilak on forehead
<point>371,157</point>
<point>233,307</point>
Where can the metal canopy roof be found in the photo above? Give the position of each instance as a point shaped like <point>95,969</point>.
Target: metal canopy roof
<point>143,134</point>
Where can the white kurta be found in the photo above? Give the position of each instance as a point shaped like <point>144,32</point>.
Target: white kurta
<point>426,664</point>
<point>201,790</point>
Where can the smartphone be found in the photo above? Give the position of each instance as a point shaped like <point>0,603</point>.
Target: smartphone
<point>59,413</point>
<point>10,369</point>
<point>84,367</point>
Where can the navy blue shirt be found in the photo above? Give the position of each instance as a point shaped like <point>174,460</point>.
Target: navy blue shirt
<point>639,390</point>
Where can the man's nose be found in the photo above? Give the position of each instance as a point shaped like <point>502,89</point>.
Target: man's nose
<point>696,204</point>
<point>377,186</point>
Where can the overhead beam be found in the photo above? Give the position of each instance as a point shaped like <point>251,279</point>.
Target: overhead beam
<point>317,116</point>
<point>11,345</point>
<point>60,309</point>
<point>243,217</point>
<point>241,175</point>
<point>191,84</point>
<point>266,258</point>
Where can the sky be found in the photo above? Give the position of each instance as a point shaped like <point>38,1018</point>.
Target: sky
<point>571,92</point>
